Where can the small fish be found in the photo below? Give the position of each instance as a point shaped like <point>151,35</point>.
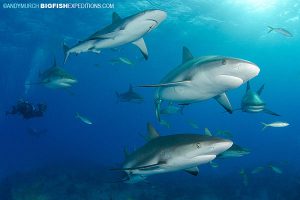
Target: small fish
<point>282,31</point>
<point>224,133</point>
<point>122,60</point>
<point>83,119</point>
<point>257,170</point>
<point>214,164</point>
<point>275,125</point>
<point>193,124</point>
<point>275,169</point>
<point>165,123</point>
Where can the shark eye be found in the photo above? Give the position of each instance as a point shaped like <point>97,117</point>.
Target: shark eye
<point>224,62</point>
<point>198,145</point>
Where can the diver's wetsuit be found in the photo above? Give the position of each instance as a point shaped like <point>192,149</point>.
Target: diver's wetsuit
<point>27,110</point>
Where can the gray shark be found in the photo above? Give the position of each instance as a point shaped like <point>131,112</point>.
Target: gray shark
<point>56,77</point>
<point>234,151</point>
<point>130,96</point>
<point>252,102</point>
<point>202,78</point>
<point>122,31</point>
<point>171,153</point>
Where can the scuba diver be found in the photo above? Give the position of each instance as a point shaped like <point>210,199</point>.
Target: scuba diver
<point>27,110</point>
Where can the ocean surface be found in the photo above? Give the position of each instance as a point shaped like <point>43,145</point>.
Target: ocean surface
<point>72,160</point>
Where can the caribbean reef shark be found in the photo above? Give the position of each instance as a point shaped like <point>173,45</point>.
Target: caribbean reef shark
<point>122,31</point>
<point>171,153</point>
<point>252,102</point>
<point>202,78</point>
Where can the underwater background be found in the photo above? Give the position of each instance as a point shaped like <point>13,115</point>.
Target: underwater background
<point>72,159</point>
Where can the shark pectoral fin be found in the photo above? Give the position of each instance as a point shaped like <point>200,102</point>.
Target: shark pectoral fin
<point>115,17</point>
<point>223,100</point>
<point>270,112</point>
<point>140,43</point>
<point>207,132</point>
<point>152,133</point>
<point>193,171</point>
<point>186,55</point>
<point>178,83</point>
<point>259,91</point>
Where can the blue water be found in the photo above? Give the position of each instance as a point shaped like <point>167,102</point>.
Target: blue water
<point>31,38</point>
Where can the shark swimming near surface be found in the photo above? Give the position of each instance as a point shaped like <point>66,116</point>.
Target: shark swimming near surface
<point>202,78</point>
<point>122,31</point>
<point>130,96</point>
<point>252,102</point>
<point>171,153</point>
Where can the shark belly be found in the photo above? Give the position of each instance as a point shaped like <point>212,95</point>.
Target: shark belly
<point>176,164</point>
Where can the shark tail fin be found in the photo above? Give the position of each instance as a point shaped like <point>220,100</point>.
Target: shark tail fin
<point>270,29</point>
<point>66,52</point>
<point>265,126</point>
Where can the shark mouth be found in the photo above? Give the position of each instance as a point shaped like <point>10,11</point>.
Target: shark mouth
<point>153,26</point>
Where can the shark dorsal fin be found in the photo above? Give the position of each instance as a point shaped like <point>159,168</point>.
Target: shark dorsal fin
<point>260,89</point>
<point>152,133</point>
<point>207,132</point>
<point>186,55</point>
<point>126,152</point>
<point>193,171</point>
<point>248,86</point>
<point>115,17</point>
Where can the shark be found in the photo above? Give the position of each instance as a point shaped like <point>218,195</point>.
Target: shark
<point>202,78</point>
<point>162,154</point>
<point>56,77</point>
<point>252,102</point>
<point>130,96</point>
<point>122,31</point>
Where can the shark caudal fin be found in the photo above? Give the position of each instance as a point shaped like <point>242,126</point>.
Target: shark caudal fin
<point>66,52</point>
<point>270,29</point>
<point>265,126</point>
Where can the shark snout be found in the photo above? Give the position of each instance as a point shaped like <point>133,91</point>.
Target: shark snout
<point>156,16</point>
<point>248,70</point>
<point>221,146</point>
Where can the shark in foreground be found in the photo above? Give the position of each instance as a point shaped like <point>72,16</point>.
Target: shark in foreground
<point>162,154</point>
<point>130,96</point>
<point>55,77</point>
<point>202,78</point>
<point>252,102</point>
<point>122,31</point>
